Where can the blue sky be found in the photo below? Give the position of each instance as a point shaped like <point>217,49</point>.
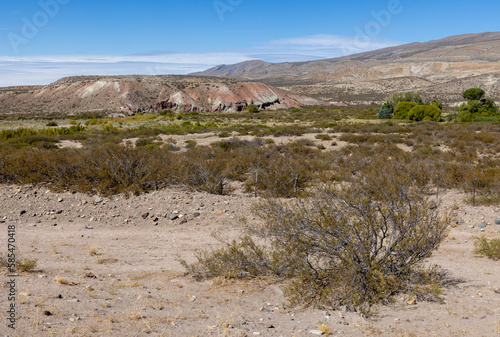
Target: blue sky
<point>43,40</point>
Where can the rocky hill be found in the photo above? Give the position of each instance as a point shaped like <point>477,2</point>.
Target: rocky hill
<point>440,69</point>
<point>129,94</point>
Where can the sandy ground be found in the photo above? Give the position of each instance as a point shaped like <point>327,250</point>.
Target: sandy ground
<point>110,268</point>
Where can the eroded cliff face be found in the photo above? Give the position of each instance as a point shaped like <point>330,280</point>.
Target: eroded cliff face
<point>130,94</point>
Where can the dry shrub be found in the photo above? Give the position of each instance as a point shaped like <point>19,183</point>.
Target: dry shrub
<point>488,248</point>
<point>355,243</point>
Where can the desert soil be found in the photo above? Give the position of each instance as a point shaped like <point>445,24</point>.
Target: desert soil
<point>110,267</point>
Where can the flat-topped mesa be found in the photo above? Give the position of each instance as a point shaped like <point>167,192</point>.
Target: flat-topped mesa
<point>139,93</point>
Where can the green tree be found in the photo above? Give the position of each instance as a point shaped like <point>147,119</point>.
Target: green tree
<point>477,106</point>
<point>402,109</point>
<point>385,112</point>
<point>252,108</point>
<point>424,113</point>
<point>473,94</point>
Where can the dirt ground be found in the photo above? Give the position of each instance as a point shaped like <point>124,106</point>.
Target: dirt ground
<point>109,267</point>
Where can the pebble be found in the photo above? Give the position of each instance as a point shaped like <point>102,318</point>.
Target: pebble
<point>97,200</point>
<point>316,332</point>
<point>60,199</point>
<point>497,222</point>
<point>481,225</point>
<point>173,217</point>
<point>47,313</point>
<point>21,212</point>
<point>196,214</point>
<point>144,215</point>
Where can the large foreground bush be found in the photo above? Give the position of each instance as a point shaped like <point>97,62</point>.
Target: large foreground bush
<point>354,243</point>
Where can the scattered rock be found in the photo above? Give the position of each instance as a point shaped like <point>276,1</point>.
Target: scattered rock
<point>316,332</point>
<point>60,199</point>
<point>196,214</point>
<point>97,200</point>
<point>47,313</point>
<point>497,222</point>
<point>21,212</point>
<point>173,216</point>
<point>144,215</point>
<point>482,225</point>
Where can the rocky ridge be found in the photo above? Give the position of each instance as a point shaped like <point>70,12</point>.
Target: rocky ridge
<point>131,94</point>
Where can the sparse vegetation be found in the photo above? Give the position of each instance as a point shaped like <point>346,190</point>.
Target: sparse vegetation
<point>488,248</point>
<point>355,243</point>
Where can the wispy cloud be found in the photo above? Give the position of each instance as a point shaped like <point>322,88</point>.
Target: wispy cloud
<point>329,46</point>
<point>46,69</point>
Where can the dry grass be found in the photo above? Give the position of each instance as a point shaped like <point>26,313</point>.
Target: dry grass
<point>64,281</point>
<point>126,285</point>
<point>102,260</point>
<point>94,251</point>
<point>325,328</point>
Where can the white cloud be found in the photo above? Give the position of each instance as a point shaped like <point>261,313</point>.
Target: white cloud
<point>31,70</point>
<point>329,46</point>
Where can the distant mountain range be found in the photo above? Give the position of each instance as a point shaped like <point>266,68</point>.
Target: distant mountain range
<point>440,69</point>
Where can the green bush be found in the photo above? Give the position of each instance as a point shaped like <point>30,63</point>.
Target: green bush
<point>384,113</point>
<point>490,249</point>
<point>424,113</point>
<point>252,108</point>
<point>402,109</point>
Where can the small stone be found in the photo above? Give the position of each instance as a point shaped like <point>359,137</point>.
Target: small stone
<point>97,200</point>
<point>60,199</point>
<point>316,332</point>
<point>47,313</point>
<point>482,225</point>
<point>144,215</point>
<point>192,299</point>
<point>54,225</point>
<point>21,212</point>
<point>184,220</point>
<point>196,214</point>
<point>173,216</point>
<point>497,222</point>
<point>59,211</point>
<point>156,219</point>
